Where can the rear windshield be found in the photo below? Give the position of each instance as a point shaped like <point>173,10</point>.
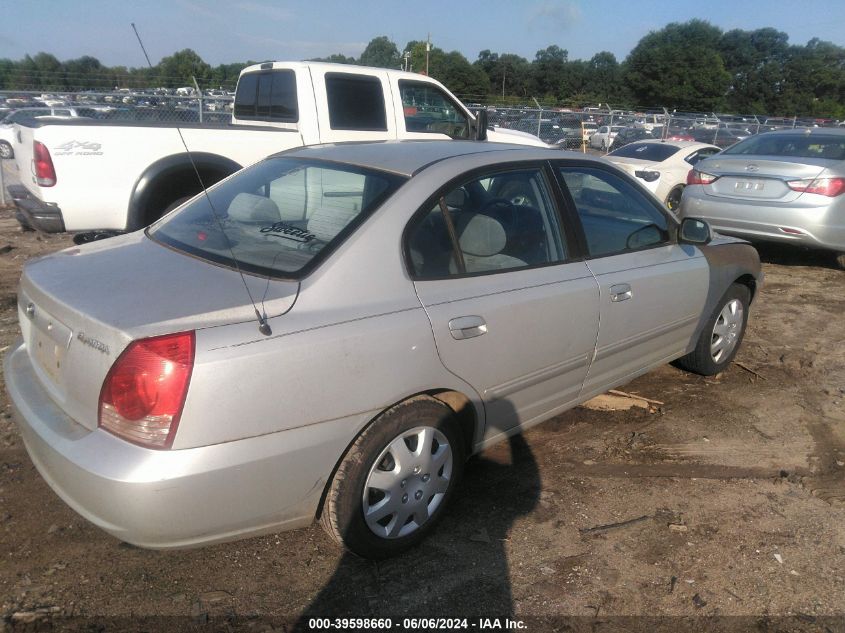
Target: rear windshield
<point>655,152</point>
<point>829,146</point>
<point>277,218</point>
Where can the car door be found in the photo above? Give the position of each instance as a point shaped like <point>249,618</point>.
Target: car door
<point>510,310</point>
<point>652,289</point>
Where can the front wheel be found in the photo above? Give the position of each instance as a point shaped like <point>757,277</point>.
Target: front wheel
<point>6,150</point>
<point>721,336</point>
<point>394,482</point>
<point>840,260</point>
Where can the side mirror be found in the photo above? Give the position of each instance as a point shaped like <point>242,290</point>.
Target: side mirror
<point>695,231</point>
<point>481,125</point>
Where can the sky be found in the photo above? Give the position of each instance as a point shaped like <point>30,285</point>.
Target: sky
<point>240,30</point>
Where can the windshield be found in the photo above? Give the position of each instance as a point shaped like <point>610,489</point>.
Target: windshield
<point>279,217</point>
<point>654,152</point>
<point>802,145</point>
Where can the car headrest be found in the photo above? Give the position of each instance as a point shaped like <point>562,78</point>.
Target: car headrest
<point>482,236</point>
<point>247,207</point>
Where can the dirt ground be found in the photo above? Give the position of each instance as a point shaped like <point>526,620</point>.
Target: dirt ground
<point>723,508</point>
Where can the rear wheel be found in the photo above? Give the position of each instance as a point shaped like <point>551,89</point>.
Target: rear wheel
<point>721,336</point>
<point>395,481</point>
<point>603,145</point>
<point>673,200</point>
<point>6,150</point>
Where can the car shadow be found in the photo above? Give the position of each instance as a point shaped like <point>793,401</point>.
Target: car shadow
<point>789,255</point>
<point>461,569</point>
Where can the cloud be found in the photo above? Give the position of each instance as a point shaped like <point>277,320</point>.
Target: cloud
<point>555,14</point>
<point>197,8</point>
<point>274,13</point>
<point>303,49</point>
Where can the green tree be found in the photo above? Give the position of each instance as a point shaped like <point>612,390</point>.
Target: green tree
<point>381,53</point>
<point>548,71</point>
<point>177,69</point>
<point>755,61</point>
<point>680,67</point>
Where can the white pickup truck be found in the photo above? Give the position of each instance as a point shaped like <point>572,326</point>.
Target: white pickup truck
<point>120,176</point>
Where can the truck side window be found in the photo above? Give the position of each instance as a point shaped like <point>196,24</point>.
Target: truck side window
<point>267,96</point>
<point>356,102</point>
<point>428,109</point>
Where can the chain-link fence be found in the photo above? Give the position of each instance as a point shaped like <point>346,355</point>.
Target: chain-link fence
<point>180,107</point>
<point>601,128</point>
<point>606,129</point>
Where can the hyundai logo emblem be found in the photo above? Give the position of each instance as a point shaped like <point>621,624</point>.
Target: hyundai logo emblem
<point>752,168</point>
<point>30,310</point>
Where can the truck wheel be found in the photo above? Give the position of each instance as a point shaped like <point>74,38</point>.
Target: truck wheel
<point>721,336</point>
<point>6,150</point>
<point>395,481</point>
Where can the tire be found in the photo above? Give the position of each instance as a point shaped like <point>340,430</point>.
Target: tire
<point>721,336</point>
<point>603,146</point>
<point>389,472</point>
<point>6,150</point>
<point>840,260</point>
<point>673,199</point>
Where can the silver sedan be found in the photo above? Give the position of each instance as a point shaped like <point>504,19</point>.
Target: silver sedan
<point>785,186</point>
<point>331,332</point>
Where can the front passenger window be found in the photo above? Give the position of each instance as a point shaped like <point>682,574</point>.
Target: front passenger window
<point>616,216</point>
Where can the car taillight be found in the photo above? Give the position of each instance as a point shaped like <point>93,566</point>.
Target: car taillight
<point>829,187</point>
<point>144,392</point>
<point>695,177</point>
<point>45,173</point>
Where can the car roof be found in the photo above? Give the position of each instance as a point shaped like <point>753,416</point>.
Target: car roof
<point>407,158</point>
<point>804,131</point>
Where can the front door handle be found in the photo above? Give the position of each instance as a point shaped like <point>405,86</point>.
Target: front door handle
<point>620,292</point>
<point>467,327</point>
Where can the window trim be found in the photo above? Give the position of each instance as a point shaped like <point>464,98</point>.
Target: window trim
<point>568,240</point>
<point>672,224</point>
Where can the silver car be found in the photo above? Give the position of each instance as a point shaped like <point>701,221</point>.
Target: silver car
<point>783,186</point>
<point>331,332</point>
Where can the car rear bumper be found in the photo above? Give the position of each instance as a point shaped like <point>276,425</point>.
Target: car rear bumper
<point>34,213</point>
<point>800,224</point>
<point>169,499</point>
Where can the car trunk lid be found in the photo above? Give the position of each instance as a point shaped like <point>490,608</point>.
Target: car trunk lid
<point>80,308</point>
<point>753,178</point>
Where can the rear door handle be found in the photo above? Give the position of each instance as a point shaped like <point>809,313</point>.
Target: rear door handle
<point>620,292</point>
<point>467,327</point>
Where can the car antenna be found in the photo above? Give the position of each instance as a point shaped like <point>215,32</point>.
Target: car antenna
<point>263,326</point>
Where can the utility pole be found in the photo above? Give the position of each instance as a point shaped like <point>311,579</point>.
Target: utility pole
<point>504,72</point>
<point>427,49</point>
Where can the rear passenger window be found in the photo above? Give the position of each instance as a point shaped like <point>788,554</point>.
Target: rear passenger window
<point>492,223</point>
<point>616,217</point>
<point>267,96</point>
<point>356,102</point>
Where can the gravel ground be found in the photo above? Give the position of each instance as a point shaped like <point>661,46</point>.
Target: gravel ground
<point>723,508</point>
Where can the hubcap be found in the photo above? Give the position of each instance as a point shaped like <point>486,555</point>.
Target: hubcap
<point>726,330</point>
<point>407,482</point>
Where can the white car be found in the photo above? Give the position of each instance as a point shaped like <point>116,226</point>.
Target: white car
<point>662,166</point>
<point>7,125</point>
<point>603,137</point>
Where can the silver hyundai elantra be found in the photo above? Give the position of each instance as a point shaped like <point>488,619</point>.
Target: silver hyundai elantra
<point>330,333</point>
